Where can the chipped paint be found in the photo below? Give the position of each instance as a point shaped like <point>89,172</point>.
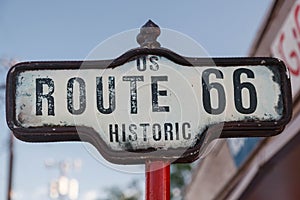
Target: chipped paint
<point>177,106</point>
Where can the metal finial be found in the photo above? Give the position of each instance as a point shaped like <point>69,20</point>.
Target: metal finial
<point>148,35</point>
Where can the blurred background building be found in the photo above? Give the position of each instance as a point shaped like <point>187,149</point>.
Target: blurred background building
<point>68,30</point>
<point>260,168</point>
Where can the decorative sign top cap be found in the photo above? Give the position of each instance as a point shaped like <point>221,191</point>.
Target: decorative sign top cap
<point>148,35</point>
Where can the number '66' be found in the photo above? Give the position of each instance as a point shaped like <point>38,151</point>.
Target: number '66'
<point>238,88</point>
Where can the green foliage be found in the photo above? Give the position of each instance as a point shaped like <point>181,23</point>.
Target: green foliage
<point>131,192</point>
<point>180,175</point>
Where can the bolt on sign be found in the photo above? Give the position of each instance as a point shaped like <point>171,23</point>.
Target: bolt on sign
<point>150,103</point>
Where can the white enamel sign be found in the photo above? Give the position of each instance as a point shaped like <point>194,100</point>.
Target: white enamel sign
<point>150,103</point>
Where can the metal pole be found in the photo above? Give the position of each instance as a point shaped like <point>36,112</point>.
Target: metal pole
<point>11,149</point>
<point>10,173</point>
<point>157,180</point>
<point>157,172</point>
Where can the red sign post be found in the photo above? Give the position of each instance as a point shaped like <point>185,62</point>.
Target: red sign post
<point>157,180</point>
<point>157,172</point>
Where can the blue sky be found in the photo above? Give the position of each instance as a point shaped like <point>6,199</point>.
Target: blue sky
<point>69,30</point>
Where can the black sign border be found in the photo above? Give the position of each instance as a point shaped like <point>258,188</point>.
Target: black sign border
<point>230,129</point>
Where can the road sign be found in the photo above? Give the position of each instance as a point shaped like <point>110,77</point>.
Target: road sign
<point>148,103</point>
